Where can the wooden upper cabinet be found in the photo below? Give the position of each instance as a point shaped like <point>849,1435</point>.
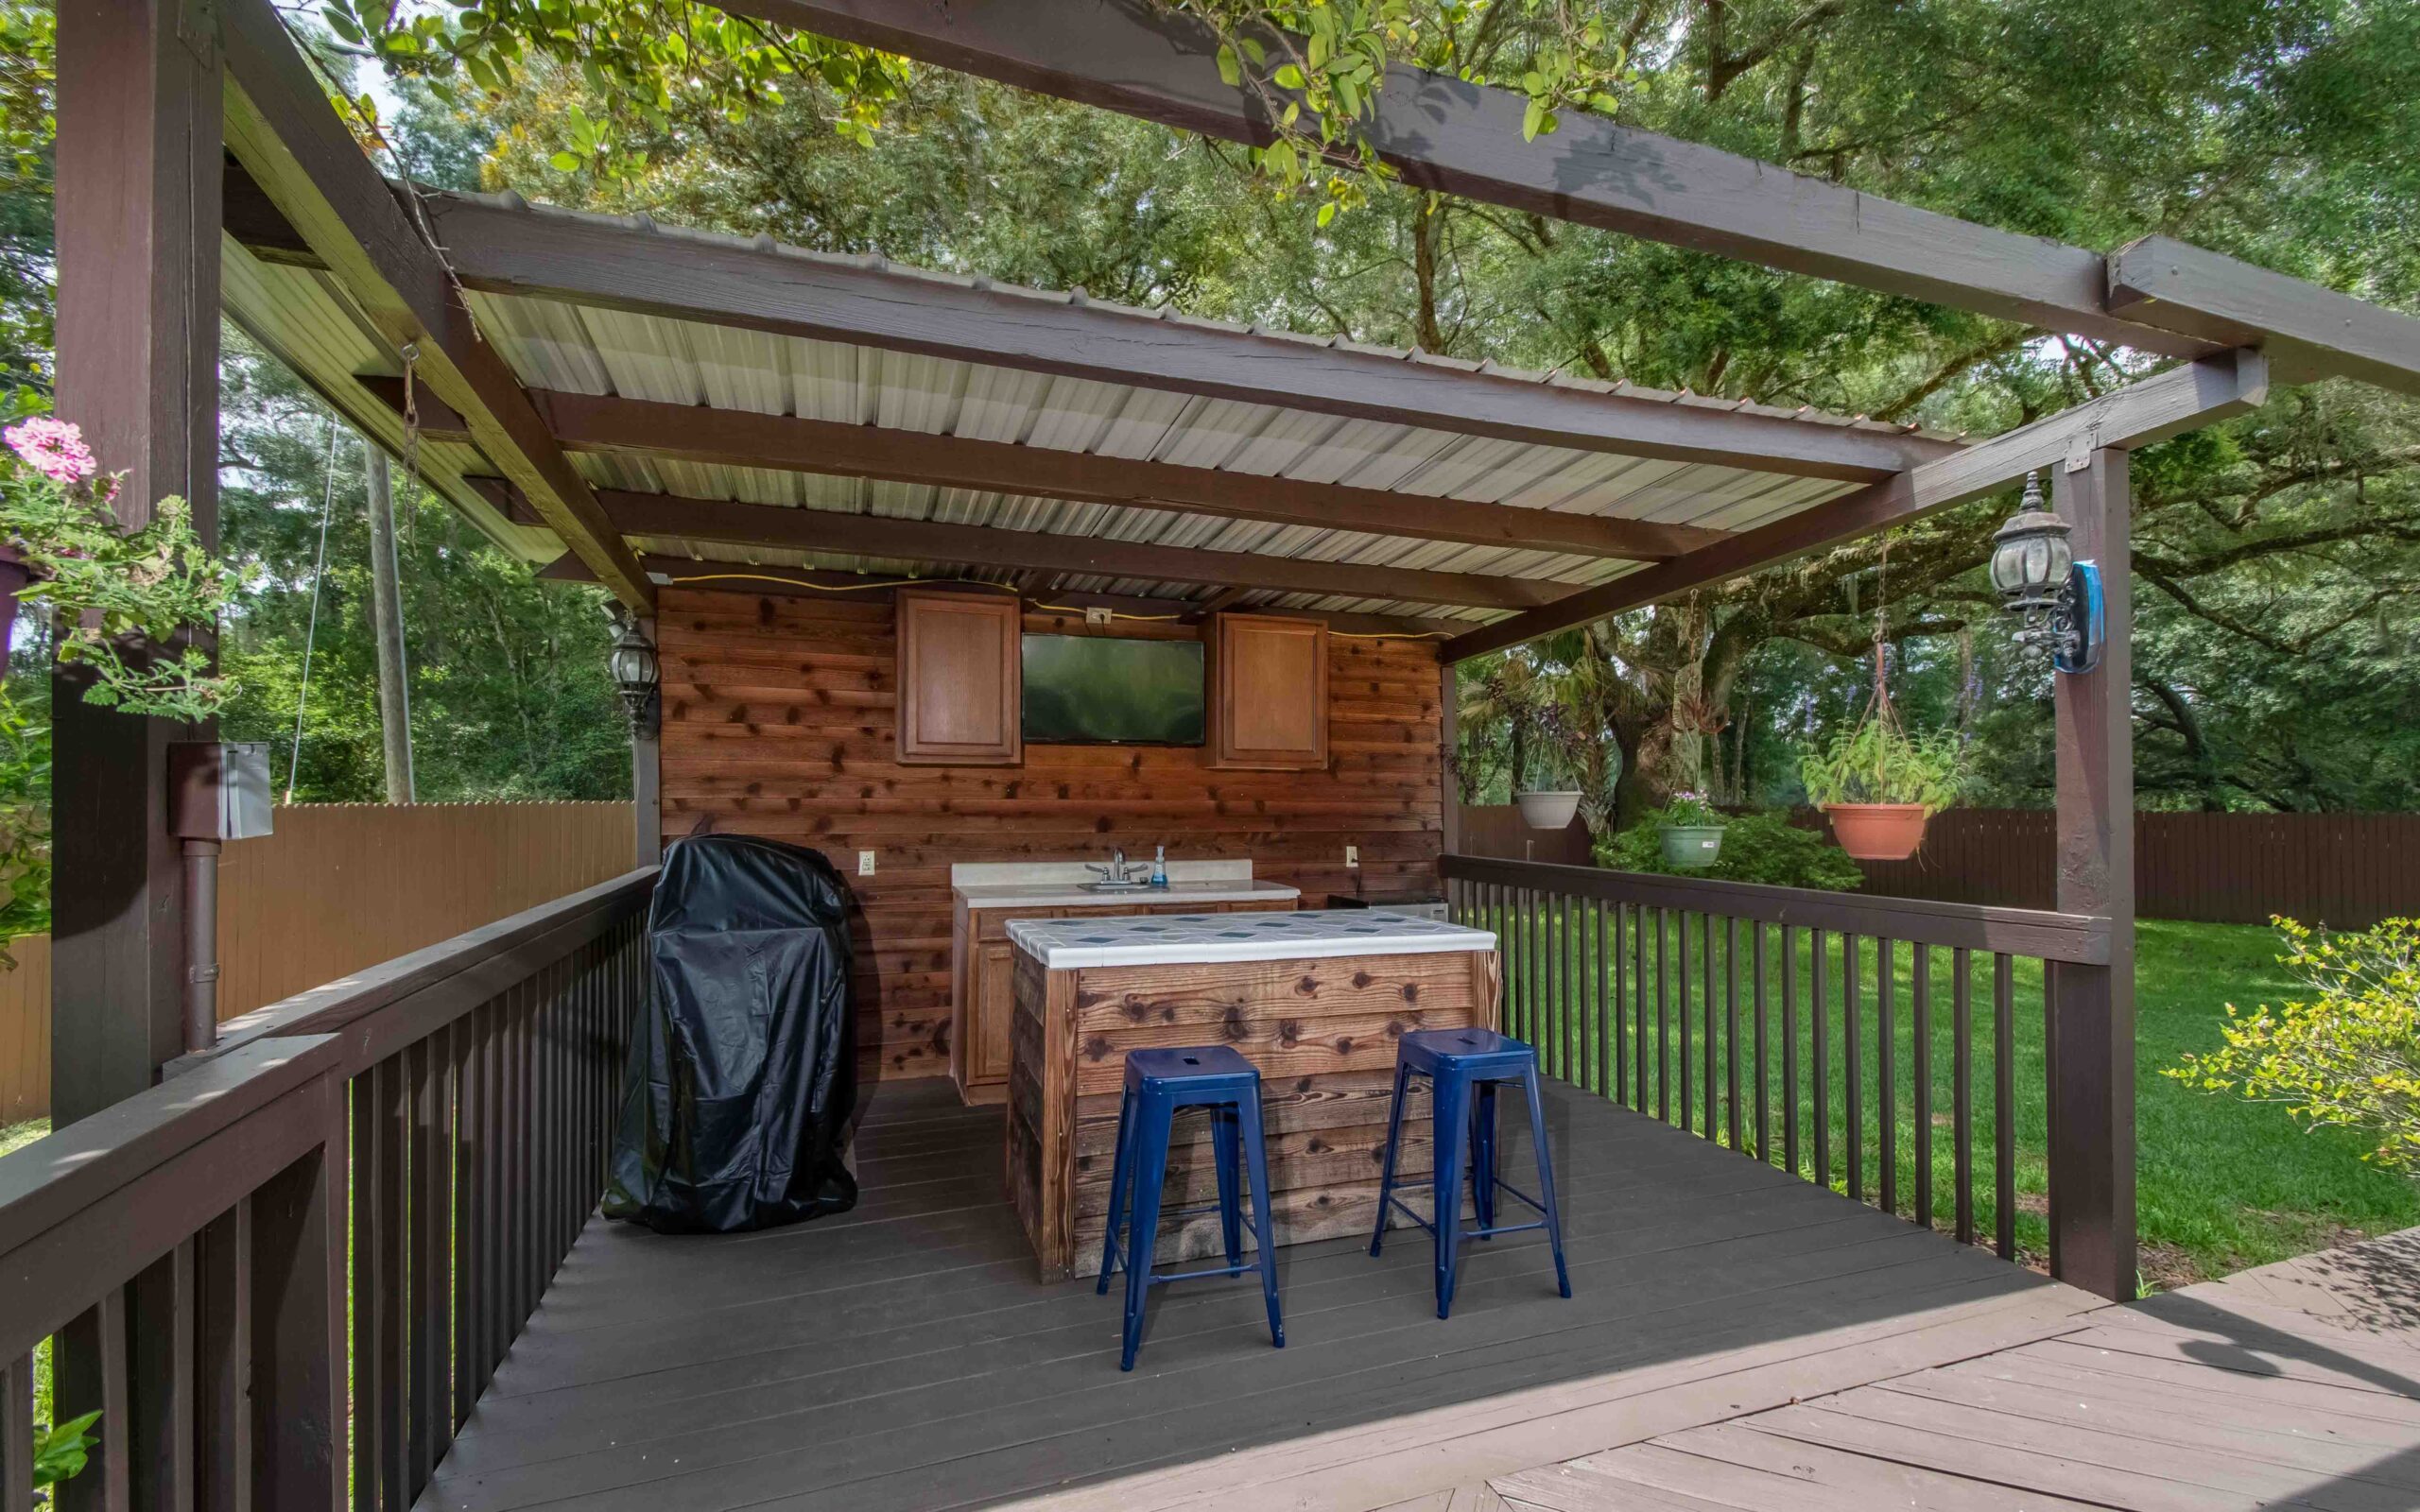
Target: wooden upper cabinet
<point>960,679</point>
<point>1268,692</point>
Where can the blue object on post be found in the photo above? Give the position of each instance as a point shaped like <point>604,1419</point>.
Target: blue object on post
<point>1465,1067</point>
<point>1158,1083</point>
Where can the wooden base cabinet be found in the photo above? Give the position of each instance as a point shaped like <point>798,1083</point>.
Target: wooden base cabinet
<point>983,982</point>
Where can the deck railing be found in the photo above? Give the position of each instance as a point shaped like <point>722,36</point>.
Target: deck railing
<point>284,1275</point>
<point>1805,1029</point>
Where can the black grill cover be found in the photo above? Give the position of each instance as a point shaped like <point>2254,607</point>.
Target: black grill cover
<point>743,1068</point>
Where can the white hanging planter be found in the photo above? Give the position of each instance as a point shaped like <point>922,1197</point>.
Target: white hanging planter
<point>1547,810</point>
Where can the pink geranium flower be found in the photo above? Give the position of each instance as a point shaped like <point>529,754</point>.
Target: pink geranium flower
<point>54,448</point>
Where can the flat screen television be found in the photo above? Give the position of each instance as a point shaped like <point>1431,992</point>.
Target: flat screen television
<point>1088,690</point>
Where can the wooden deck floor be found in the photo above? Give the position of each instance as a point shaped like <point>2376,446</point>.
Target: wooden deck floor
<point>904,1355</point>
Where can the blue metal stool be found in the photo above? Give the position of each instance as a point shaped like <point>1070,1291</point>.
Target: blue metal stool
<point>1465,1066</point>
<point>1158,1083</point>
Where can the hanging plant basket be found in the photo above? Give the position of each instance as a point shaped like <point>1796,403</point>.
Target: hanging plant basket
<point>1548,810</point>
<point>1879,831</point>
<point>1692,845</point>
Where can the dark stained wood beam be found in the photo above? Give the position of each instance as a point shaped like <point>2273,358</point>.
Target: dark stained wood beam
<point>2306,329</point>
<point>280,126</point>
<point>740,577</point>
<point>1465,139</point>
<point>796,529</point>
<point>583,422</point>
<point>506,248</point>
<point>2182,399</point>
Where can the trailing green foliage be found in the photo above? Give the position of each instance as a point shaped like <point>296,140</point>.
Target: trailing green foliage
<point>1762,847</point>
<point>1880,762</point>
<point>2346,1056</point>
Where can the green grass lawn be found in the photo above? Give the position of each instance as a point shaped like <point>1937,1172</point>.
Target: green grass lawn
<point>2222,1184</point>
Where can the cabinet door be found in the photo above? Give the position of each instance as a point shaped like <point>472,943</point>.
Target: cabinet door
<point>1268,692</point>
<point>959,679</point>
<point>996,1004</point>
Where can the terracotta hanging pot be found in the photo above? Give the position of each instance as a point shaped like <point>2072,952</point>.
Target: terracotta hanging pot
<point>1878,831</point>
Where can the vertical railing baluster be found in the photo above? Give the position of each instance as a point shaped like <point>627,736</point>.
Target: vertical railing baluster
<point>1790,1048</point>
<point>1607,1016</point>
<point>1731,1020</point>
<point>17,1434</point>
<point>2004,1103</point>
<point>1962,1089</point>
<point>390,1237</point>
<point>1663,1029</point>
<point>1558,1051</point>
<point>1705,971</point>
<point>1886,1043</point>
<point>425,1252</point>
<point>1920,1074</point>
<point>1764,1046</point>
<point>1688,1068</point>
<point>1617,1029</point>
<point>1852,1055</point>
<point>1821,1046</point>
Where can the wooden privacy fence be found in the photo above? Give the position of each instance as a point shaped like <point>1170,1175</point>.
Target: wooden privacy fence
<point>2346,870</point>
<point>1497,830</point>
<point>339,888</point>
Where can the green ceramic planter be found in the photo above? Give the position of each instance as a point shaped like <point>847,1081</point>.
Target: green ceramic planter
<point>1692,845</point>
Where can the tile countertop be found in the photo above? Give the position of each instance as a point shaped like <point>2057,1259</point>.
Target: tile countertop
<point>1187,938</point>
<point>1058,884</point>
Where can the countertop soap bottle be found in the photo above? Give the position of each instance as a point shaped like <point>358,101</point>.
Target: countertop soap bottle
<point>1159,866</point>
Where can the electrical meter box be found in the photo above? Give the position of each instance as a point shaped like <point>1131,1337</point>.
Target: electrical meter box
<point>219,790</point>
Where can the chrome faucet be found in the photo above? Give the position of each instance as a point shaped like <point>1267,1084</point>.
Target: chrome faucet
<point>1117,873</point>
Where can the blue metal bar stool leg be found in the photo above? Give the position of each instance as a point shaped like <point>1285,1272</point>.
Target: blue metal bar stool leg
<point>1122,1168</point>
<point>1546,1175</point>
<point>1483,1161</point>
<point>1224,1152</point>
<point>1453,1123</point>
<point>1256,1156</point>
<point>1151,1118</point>
<point>1395,1146</point>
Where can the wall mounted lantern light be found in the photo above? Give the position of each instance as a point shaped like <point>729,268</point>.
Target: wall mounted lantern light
<point>2055,597</point>
<point>636,674</point>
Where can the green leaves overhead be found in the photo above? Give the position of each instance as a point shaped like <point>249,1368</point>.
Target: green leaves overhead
<point>640,60</point>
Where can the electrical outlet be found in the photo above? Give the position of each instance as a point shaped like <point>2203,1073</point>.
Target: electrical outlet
<point>1352,855</point>
<point>865,863</point>
<point>1095,614</point>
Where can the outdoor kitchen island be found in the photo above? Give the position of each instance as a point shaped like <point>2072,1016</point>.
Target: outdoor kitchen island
<point>1315,999</point>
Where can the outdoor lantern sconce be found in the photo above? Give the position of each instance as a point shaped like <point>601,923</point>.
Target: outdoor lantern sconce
<point>635,673</point>
<point>2056,598</point>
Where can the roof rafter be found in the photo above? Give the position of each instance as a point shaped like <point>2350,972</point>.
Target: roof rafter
<point>502,247</point>
<point>280,128</point>
<point>799,530</point>
<point>583,422</point>
<point>2182,399</point>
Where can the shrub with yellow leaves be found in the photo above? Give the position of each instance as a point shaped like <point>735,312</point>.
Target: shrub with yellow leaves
<point>2348,1057</point>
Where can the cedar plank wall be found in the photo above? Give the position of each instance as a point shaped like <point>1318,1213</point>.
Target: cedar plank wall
<point>778,714</point>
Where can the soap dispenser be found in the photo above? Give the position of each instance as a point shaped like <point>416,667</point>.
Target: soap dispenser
<point>1159,866</point>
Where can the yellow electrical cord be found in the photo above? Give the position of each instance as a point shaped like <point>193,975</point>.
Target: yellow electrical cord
<point>1055,608</point>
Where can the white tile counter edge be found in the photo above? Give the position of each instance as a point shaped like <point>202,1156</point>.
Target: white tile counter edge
<point>1067,894</point>
<point>1424,938</point>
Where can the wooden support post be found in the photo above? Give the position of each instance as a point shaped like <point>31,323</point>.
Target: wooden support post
<point>646,777</point>
<point>2091,1008</point>
<point>139,175</point>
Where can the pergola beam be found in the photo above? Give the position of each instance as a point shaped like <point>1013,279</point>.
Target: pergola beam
<point>2182,399</point>
<point>502,248</point>
<point>1442,133</point>
<point>280,128</point>
<point>807,582</point>
<point>584,423</point>
<point>664,516</point>
<point>2307,330</point>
